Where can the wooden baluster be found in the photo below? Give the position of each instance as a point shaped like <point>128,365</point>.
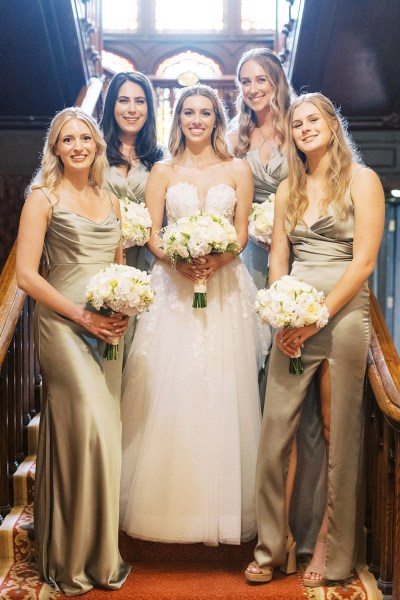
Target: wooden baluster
<point>377,469</point>
<point>396,553</point>
<point>12,448</point>
<point>19,424</point>
<point>370,469</point>
<point>35,378</point>
<point>385,581</point>
<point>5,504</point>
<point>27,384</point>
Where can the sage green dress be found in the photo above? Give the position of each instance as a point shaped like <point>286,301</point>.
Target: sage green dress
<point>266,180</point>
<point>322,252</point>
<point>133,187</point>
<point>79,453</point>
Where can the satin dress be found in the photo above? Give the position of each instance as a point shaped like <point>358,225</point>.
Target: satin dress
<point>133,186</point>
<point>322,252</point>
<point>79,452</point>
<point>309,483</point>
<point>266,180</point>
<point>190,403</point>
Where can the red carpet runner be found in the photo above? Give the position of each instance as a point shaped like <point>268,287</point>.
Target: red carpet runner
<point>173,572</point>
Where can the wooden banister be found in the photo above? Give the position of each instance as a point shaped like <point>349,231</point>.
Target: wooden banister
<point>384,365</point>
<point>383,456</point>
<point>11,302</point>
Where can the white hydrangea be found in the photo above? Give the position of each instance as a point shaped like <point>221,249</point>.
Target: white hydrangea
<point>121,288</point>
<point>290,302</point>
<point>136,223</point>
<point>261,220</point>
<point>198,235</point>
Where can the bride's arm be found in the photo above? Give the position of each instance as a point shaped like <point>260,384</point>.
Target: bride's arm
<point>32,230</point>
<point>156,190</point>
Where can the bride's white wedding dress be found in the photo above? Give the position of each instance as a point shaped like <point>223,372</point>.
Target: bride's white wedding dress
<point>190,405</point>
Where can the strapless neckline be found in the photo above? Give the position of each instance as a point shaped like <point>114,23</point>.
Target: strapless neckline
<point>201,200</point>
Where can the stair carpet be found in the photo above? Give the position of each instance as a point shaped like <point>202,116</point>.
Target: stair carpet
<point>160,571</point>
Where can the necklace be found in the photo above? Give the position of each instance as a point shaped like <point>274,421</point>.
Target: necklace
<point>264,139</point>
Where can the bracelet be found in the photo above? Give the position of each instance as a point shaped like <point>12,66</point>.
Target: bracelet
<point>323,318</point>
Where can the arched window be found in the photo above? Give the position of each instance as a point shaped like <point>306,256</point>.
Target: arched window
<point>115,63</point>
<point>195,66</point>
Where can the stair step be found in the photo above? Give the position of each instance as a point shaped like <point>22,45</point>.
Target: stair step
<point>24,481</point>
<point>14,538</point>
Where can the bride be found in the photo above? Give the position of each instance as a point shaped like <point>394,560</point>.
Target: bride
<point>190,405</point>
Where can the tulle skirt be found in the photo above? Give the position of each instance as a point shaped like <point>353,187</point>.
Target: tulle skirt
<point>191,412</point>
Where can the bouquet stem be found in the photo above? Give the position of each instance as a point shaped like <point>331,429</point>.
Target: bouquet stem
<point>111,351</point>
<point>296,364</point>
<point>200,295</point>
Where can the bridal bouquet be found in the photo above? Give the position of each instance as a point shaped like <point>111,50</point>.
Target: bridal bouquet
<point>122,289</point>
<point>261,220</point>
<point>290,302</point>
<point>195,236</point>
<point>136,223</point>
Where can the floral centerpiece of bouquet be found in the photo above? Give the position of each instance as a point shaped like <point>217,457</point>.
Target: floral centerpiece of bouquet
<point>261,220</point>
<point>290,302</point>
<point>136,223</point>
<point>119,288</point>
<point>195,236</point>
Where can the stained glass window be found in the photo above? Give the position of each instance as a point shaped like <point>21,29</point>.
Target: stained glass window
<point>262,15</point>
<point>121,15</point>
<point>189,15</point>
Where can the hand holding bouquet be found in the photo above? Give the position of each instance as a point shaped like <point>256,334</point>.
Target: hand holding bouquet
<point>192,237</point>
<point>290,302</point>
<point>261,220</point>
<point>122,289</point>
<point>136,223</point>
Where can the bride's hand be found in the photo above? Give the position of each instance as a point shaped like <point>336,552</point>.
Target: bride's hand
<point>103,327</point>
<point>186,269</point>
<point>206,266</point>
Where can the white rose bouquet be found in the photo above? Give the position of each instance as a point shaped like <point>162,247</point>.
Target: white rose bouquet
<point>290,302</point>
<point>261,220</point>
<point>122,289</point>
<point>195,236</point>
<point>136,223</point>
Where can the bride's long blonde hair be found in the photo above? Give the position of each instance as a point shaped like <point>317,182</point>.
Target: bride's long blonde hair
<point>342,154</point>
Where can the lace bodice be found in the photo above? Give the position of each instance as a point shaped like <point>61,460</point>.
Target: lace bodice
<point>183,200</point>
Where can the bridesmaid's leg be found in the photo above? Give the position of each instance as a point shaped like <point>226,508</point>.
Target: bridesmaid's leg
<point>314,574</point>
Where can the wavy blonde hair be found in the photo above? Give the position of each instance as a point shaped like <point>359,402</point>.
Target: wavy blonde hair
<point>177,141</point>
<point>52,168</point>
<point>342,154</point>
<point>281,96</point>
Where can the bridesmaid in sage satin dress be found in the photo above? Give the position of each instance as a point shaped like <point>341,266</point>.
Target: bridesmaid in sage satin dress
<point>258,135</point>
<point>74,223</point>
<point>324,213</point>
<point>129,128</point>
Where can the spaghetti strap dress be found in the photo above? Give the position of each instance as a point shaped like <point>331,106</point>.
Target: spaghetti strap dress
<point>79,452</point>
<point>133,187</point>
<point>322,253</point>
<point>266,178</point>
